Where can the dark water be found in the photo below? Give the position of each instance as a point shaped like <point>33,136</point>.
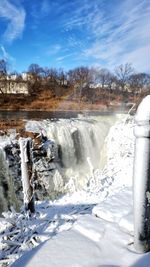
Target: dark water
<point>38,115</point>
<point>46,114</point>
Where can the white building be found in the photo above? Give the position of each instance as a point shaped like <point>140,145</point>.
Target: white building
<point>12,86</point>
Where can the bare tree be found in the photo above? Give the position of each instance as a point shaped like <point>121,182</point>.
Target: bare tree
<point>34,70</point>
<point>53,80</point>
<point>79,75</point>
<point>3,75</point>
<point>62,77</point>
<point>139,81</point>
<point>3,67</point>
<point>123,73</point>
<point>103,77</point>
<point>80,78</point>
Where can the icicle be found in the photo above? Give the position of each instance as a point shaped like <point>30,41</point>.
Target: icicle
<point>26,169</point>
<point>91,167</point>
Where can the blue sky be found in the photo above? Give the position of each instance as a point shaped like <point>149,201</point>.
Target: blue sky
<point>70,33</point>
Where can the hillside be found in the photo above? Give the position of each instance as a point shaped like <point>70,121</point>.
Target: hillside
<point>45,100</point>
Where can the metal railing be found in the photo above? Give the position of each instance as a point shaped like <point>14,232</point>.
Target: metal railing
<point>142,177</point>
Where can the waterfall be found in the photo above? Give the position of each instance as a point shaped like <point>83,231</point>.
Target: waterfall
<point>77,144</point>
<point>78,140</point>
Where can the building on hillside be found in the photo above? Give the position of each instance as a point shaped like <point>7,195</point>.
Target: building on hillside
<point>102,86</point>
<point>11,77</point>
<point>12,86</point>
<point>26,76</point>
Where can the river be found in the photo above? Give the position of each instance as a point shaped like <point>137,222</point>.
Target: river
<point>38,115</point>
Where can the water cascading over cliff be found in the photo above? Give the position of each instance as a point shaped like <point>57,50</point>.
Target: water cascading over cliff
<point>77,141</point>
<point>79,150</point>
<point>76,145</point>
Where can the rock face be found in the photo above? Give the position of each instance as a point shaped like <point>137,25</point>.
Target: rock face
<point>3,182</point>
<point>13,174</point>
<point>47,174</point>
<point>47,178</point>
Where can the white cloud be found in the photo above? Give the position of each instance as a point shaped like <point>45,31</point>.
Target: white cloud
<point>122,35</point>
<point>5,55</point>
<point>140,57</point>
<point>110,32</point>
<point>64,57</point>
<point>40,9</point>
<point>82,13</point>
<point>15,17</point>
<point>53,49</point>
<point>45,7</point>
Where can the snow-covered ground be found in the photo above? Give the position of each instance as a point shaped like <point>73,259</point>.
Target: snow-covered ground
<point>90,228</point>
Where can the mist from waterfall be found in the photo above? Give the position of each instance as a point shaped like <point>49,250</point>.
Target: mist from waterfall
<point>80,150</point>
<point>79,142</point>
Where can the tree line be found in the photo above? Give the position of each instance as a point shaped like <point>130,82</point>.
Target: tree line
<point>83,81</point>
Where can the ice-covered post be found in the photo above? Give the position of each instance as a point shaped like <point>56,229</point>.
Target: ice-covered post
<point>26,172</point>
<point>142,177</point>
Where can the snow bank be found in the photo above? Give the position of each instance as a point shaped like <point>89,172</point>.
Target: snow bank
<point>92,241</point>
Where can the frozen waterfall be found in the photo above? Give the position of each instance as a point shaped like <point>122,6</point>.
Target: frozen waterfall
<point>78,140</point>
<point>78,147</point>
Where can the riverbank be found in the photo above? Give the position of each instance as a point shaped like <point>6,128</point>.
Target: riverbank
<point>63,105</point>
<point>45,101</point>
<point>6,124</point>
